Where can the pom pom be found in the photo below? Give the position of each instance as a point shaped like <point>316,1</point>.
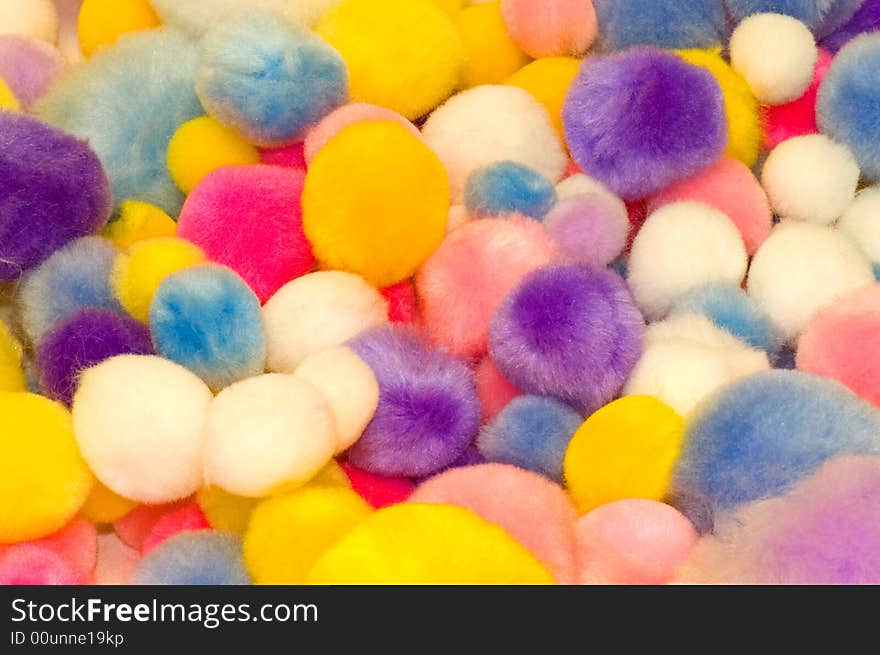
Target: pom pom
<point>75,547</point>
<point>490,54</point>
<point>34,18</point>
<point>102,22</point>
<point>546,28</point>
<point>48,200</point>
<point>8,101</point>
<point>29,66</point>
<point>36,565</point>
<point>249,218</point>
<point>203,557</point>
<point>139,221</point>
<point>378,490</point>
<point>116,561</point>
<point>225,511</point>
<point>186,518</point>
<point>428,407</point>
<point>818,15</point>
<point>866,19</point>
<point>207,319</point>
<point>495,390</point>
<point>318,311</point>
<point>372,169</point>
<point>197,16</point>
<point>135,526</point>
<point>11,372</point>
<point>589,229</point>
<point>798,117</point>
<point>642,119</point>
<point>292,156</point>
<point>139,422</point>
<point>547,80</point>
<point>266,434</point>
<point>371,35</point>
<point>663,23</point>
<point>463,282</point>
<point>105,506</point>
<point>568,332</point>
<point>43,478</point>
<point>507,188</point>
<point>860,223</point>
<point>401,299</point>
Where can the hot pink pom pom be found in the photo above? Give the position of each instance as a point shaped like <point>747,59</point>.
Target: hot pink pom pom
<point>377,490</point>
<point>134,528</point>
<point>495,390</point>
<point>188,517</point>
<point>76,544</point>
<point>798,117</point>
<point>401,302</point>
<point>292,156</point>
<point>36,564</point>
<point>549,28</point>
<point>637,210</point>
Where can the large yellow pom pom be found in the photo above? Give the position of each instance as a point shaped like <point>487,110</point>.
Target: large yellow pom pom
<point>412,543</point>
<point>43,478</point>
<point>139,221</point>
<point>375,202</point>
<point>548,80</point>
<point>105,506</point>
<point>402,54</point>
<point>203,145</point>
<point>102,22</point>
<point>8,101</point>
<point>11,373</point>
<point>451,7</point>
<point>743,112</point>
<point>137,275</point>
<point>627,449</point>
<point>490,54</point>
<point>288,534</point>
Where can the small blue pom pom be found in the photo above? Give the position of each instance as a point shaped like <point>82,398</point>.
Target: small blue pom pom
<point>201,557</point>
<point>507,187</point>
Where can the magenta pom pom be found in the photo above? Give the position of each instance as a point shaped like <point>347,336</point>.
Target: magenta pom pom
<point>401,299</point>
<point>797,117</point>
<point>589,229</point>
<point>378,490</point>
<point>185,518</point>
<point>292,156</point>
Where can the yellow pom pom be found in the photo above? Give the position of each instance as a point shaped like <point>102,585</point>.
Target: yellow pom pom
<point>203,145</point>
<point>627,449</point>
<point>137,275</point>
<point>375,202</point>
<point>490,54</point>
<point>287,534</point>
<point>225,511</point>
<point>11,373</point>
<point>412,543</point>
<point>742,109</point>
<point>402,54</point>
<point>43,478</point>
<point>139,221</point>
<point>548,80</point>
<point>8,101</point>
<point>105,506</point>
<point>451,7</point>
<point>331,475</point>
<point>102,22</point>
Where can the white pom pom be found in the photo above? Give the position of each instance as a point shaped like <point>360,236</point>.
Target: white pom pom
<point>802,267</point>
<point>139,421</point>
<point>266,433</point>
<point>810,178</point>
<point>349,387</point>
<point>318,311</point>
<point>861,222</point>
<point>37,19</point>
<point>494,123</point>
<point>776,55</point>
<point>681,246</point>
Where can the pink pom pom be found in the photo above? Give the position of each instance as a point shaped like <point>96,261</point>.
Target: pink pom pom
<point>798,117</point>
<point>76,544</point>
<point>116,561</point>
<point>134,528</point>
<point>637,210</point>
<point>188,517</point>
<point>401,302</point>
<point>535,511</point>
<point>731,188</point>
<point>378,490</point>
<point>495,390</point>
<point>549,28</point>
<point>292,156</point>
<point>36,564</point>
<point>633,541</point>
<point>250,219</point>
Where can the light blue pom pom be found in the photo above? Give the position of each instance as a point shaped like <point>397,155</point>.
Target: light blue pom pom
<point>200,557</point>
<point>507,187</point>
<point>821,16</point>
<point>662,23</point>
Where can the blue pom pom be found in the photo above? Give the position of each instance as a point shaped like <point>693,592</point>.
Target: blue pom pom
<point>662,23</point>
<point>201,557</point>
<point>731,309</point>
<point>269,79</point>
<point>821,16</point>
<point>531,432</point>
<point>877,271</point>
<point>849,101</point>
<point>760,435</point>
<point>507,187</point>
<point>207,319</point>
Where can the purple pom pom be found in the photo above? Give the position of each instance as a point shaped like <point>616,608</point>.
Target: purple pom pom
<point>866,19</point>
<point>428,410</point>
<point>87,338</point>
<point>642,119</point>
<point>28,66</point>
<point>569,332</point>
<point>53,189</point>
<point>589,229</point>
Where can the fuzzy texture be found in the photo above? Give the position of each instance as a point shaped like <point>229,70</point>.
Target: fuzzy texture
<point>848,101</point>
<point>802,267</point>
<point>75,546</point>
<point>861,222</point>
<point>495,390</point>
<point>508,188</point>
<point>467,277</point>
<point>533,510</point>
<point>28,66</point>
<point>292,156</point>
<point>105,506</point>
<point>34,18</point>
<point>198,16</point>
<point>548,28</point>
<point>318,311</point>
<point>569,332</point>
<point>339,119</point>
<point>798,117</point>
<point>8,101</point>
<point>149,447</point>
<point>810,178</point>
<point>642,119</point>
<point>428,407</point>
<point>189,517</point>
<point>531,432</point>
<point>548,79</point>
<point>662,23</point>
<point>589,229</point>
<point>207,319</point>
<point>11,352</point>
<point>490,54</point>
<point>494,123</point>
<point>819,15</point>
<point>378,490</point>
<point>866,19</point>
<point>131,138</point>
<point>84,339</point>
<point>101,22</point>
<point>578,184</point>
<point>402,303</point>
<point>36,565</point>
<point>759,436</point>
<point>135,526</point>
<point>202,557</point>
<point>138,221</point>
<point>268,79</point>
<point>116,561</point>
<point>682,246</point>
<point>75,277</point>
<point>249,218</point>
<point>54,190</point>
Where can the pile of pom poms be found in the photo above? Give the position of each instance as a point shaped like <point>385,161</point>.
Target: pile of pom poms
<point>440,292</point>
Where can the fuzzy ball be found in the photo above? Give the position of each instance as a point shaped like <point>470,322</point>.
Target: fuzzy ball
<point>378,490</point>
<point>402,303</point>
<point>54,190</point>
<point>149,447</point>
<point>371,35</point>
<point>139,221</point>
<point>463,282</point>
<point>800,268</point>
<point>490,54</point>
<point>861,222</point>
<point>188,517</point>
<point>318,311</point>
<point>589,229</point>
<point>818,15</point>
<point>759,436</point>
<point>548,79</point>
<point>428,409</point>
<point>116,561</point>
<point>292,156</point>
<point>508,188</point>
<point>102,22</point>
<point>494,123</point>
<point>866,19</point>
<point>662,23</point>
<point>798,117</point>
<point>8,101</point>
<point>29,66</point>
<point>34,18</point>
<point>642,119</point>
<point>267,433</point>
<point>201,557</point>
<point>569,332</point>
<point>11,372</point>
<point>681,246</point>
<point>134,527</point>
<point>495,390</point>
<point>547,28</point>
<point>249,218</point>
<point>70,553</point>
<point>105,506</point>
<point>225,511</point>
<point>198,16</point>
<point>372,169</point>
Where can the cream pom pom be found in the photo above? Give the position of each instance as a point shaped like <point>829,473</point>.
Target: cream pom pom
<point>37,19</point>
<point>861,222</point>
